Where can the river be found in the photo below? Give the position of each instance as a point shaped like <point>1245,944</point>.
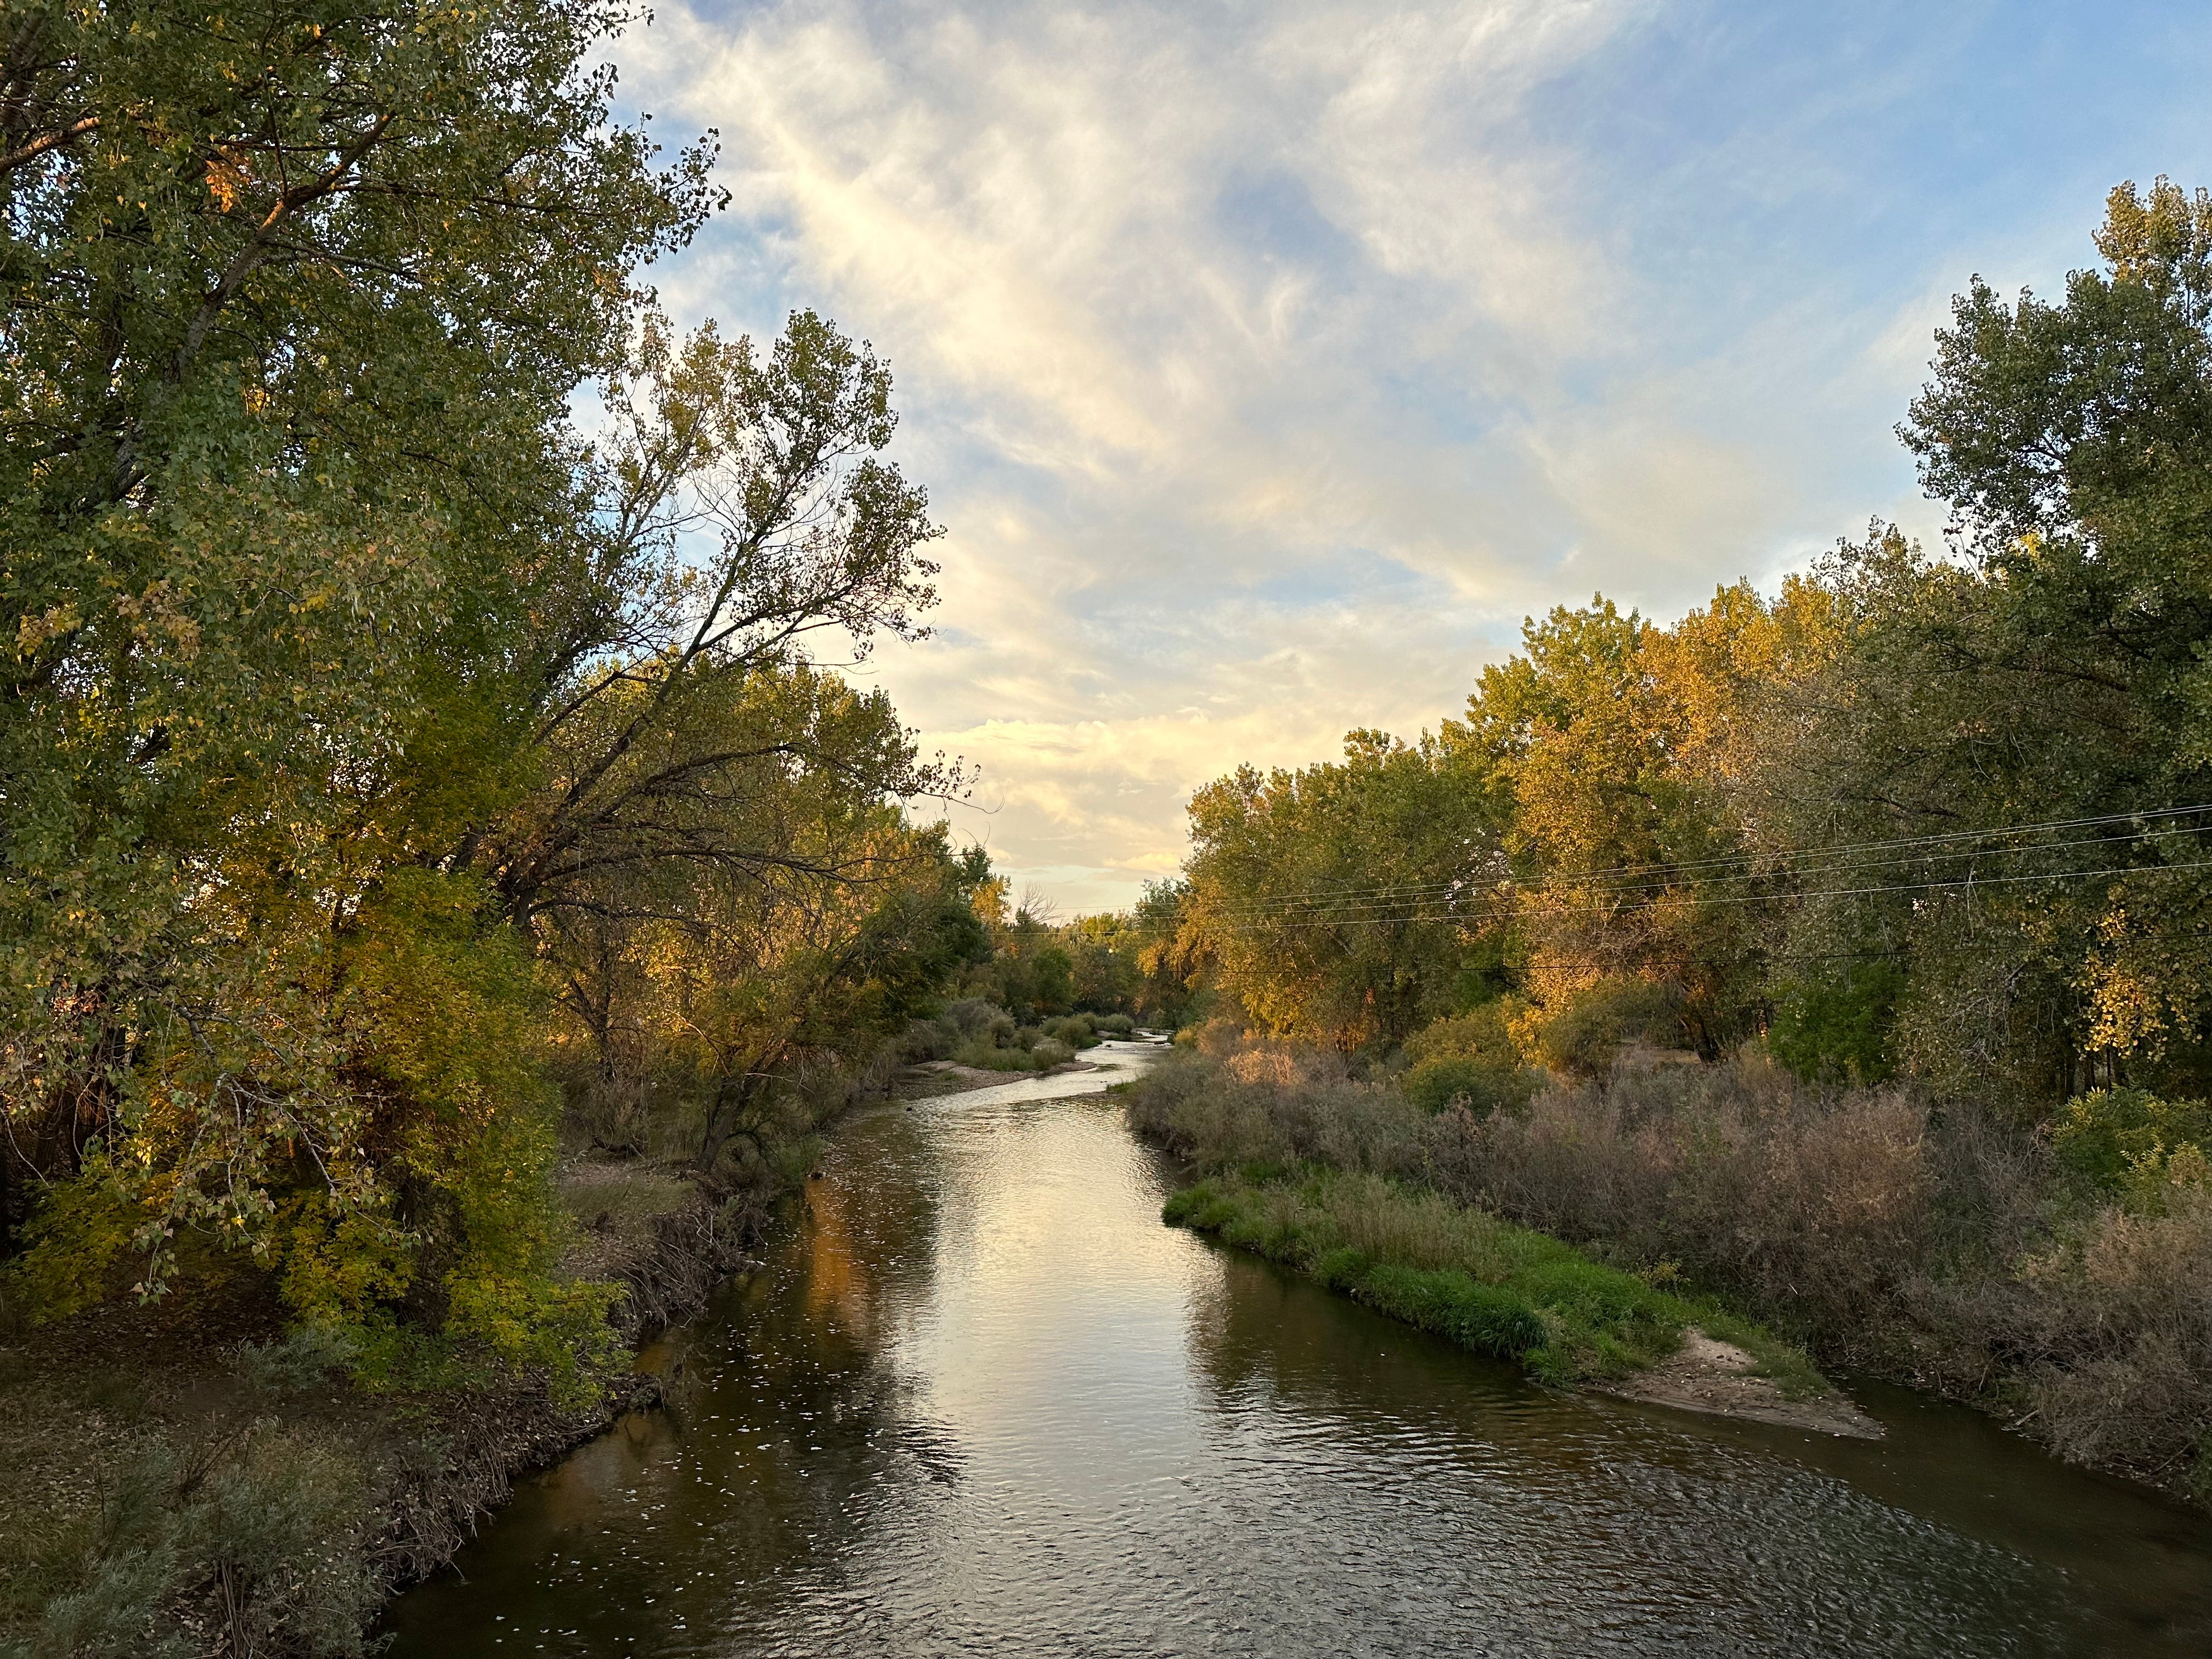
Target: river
<point>981,1401</point>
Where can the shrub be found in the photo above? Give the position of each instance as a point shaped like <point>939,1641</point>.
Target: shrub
<point>1025,1049</point>
<point>273,1522</point>
<point>1837,1027</point>
<point>76,1246</point>
<point>259,1532</point>
<point>304,1358</point>
<point>1482,1033</point>
<point>930,1039</point>
<point>993,1041</point>
<point>1075,1031</point>
<point>2118,1137</point>
<point>1807,1204</point>
<point>974,1016</point>
<point>2119,1326</point>
<point>1476,1085</point>
<point>1114,1025</point>
<point>1586,1037</point>
<point>1263,1103</point>
<point>986,1056</point>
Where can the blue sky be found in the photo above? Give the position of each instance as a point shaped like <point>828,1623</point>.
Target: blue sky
<point>1268,363</point>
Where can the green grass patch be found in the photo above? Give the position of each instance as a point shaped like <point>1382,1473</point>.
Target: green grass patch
<point>1042,1056</point>
<point>1485,1284</point>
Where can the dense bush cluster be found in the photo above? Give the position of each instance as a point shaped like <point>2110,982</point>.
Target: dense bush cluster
<point>972,1031</point>
<point>240,1543</point>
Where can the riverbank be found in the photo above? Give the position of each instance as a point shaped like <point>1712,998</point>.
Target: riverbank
<point>187,1480</point>
<point>1950,1251</point>
<point>1517,1296</point>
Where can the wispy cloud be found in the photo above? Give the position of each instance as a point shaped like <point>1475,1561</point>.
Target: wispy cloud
<point>1268,363</point>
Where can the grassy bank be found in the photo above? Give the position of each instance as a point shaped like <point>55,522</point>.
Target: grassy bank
<point>188,1478</point>
<point>1489,1286</point>
<point>2056,1278</point>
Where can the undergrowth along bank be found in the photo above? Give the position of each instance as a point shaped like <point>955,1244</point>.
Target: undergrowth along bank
<point>1497,1289</point>
<point>1946,1246</point>
<point>206,1480</point>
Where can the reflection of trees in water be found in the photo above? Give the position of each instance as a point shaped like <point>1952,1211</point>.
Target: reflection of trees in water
<point>867,1237</point>
<point>819,1443</point>
<point>1364,1394</point>
<point>788,1441</point>
<point>1261,1327</point>
<point>1266,1341</point>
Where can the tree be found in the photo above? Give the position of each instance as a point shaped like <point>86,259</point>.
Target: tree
<point>297,297</point>
<point>1102,954</point>
<point>798,922</point>
<point>2052,672</point>
<point>1335,899</point>
<point>743,511</point>
<point>1623,745</point>
<point>1176,966</point>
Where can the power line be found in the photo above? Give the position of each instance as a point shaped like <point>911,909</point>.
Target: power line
<point>1416,892</point>
<point>2146,815</point>
<point>1348,910</point>
<point>1491,911</point>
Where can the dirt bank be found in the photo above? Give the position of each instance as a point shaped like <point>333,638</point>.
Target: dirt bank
<point>1719,1378</point>
<point>185,1480</point>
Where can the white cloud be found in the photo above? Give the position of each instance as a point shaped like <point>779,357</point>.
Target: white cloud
<point>1266,364</point>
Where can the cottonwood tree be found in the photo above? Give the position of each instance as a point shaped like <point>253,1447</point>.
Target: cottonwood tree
<point>746,510</point>
<point>789,924</point>
<point>297,294</point>
<point>1620,745</point>
<point>696,778</point>
<point>1333,902</point>
<point>2053,669</point>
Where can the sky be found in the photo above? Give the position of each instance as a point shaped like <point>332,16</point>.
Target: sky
<point>1268,364</point>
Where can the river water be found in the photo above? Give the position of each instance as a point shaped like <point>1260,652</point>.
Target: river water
<point>982,1402</point>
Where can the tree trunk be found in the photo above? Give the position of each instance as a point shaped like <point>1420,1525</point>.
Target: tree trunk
<point>731,1098</point>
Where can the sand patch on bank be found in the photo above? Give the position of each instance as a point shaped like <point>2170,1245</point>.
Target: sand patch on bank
<point>1705,1374</point>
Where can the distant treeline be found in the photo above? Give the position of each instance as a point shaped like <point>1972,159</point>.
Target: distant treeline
<point>1947,817</point>
<point>1109,963</point>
